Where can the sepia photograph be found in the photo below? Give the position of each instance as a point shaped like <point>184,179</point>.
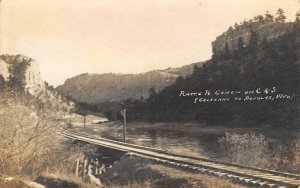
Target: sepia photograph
<point>149,93</point>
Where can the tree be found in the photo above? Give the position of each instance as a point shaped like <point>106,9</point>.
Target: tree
<point>226,51</point>
<point>16,84</point>
<point>214,53</point>
<point>264,42</point>
<point>258,18</point>
<point>17,72</point>
<point>2,83</point>
<point>152,92</point>
<point>280,16</point>
<point>254,39</point>
<point>179,79</point>
<point>269,17</point>
<point>152,103</point>
<point>236,26</point>
<point>240,43</point>
<point>297,20</point>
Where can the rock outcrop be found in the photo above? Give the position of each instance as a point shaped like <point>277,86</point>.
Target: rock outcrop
<point>25,69</point>
<point>34,81</point>
<point>4,69</point>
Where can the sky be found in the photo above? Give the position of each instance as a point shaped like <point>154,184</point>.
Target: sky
<point>70,37</point>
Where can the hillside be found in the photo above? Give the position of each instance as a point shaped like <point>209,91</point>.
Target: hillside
<point>258,72</point>
<point>97,88</point>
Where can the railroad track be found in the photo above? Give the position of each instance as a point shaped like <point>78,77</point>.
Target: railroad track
<point>243,174</point>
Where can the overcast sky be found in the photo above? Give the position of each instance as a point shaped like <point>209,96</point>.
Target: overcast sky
<point>69,37</point>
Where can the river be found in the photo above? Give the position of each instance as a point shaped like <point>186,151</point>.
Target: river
<point>193,139</point>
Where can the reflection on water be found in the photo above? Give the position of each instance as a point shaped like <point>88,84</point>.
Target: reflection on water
<point>201,146</point>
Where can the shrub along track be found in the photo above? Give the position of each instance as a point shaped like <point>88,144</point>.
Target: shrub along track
<point>238,173</point>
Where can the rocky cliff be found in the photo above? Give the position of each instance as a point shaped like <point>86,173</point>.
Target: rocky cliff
<point>22,73</point>
<point>267,30</point>
<point>23,69</point>
<point>96,88</point>
<point>4,69</point>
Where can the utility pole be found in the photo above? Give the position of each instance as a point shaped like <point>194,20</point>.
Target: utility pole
<point>84,121</point>
<point>84,117</point>
<point>123,113</point>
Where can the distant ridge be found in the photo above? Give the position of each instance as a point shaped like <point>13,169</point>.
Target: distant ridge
<point>97,88</point>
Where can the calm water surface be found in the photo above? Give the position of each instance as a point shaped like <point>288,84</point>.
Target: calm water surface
<point>200,143</point>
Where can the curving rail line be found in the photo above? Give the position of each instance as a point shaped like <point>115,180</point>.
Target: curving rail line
<point>243,174</point>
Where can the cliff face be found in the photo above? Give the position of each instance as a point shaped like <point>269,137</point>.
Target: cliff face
<point>4,69</point>
<point>25,69</point>
<point>269,31</point>
<point>95,88</point>
<point>33,78</point>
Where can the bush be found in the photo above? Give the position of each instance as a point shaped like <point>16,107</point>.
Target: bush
<point>22,134</point>
<point>252,149</point>
<point>28,135</point>
<point>247,149</point>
